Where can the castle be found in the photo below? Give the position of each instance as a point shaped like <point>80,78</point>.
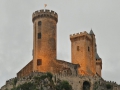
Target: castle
<point>85,60</point>
<point>84,71</point>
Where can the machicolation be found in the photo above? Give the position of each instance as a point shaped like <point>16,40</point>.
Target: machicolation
<point>45,13</point>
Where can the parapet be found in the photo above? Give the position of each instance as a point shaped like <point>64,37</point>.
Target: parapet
<point>45,13</point>
<point>80,35</point>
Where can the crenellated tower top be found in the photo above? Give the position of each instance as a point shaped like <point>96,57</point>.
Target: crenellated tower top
<point>45,13</point>
<point>81,34</point>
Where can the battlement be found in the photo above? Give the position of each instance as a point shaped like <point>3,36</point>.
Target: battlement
<point>81,34</point>
<point>44,13</point>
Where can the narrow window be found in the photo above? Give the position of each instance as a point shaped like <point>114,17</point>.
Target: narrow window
<point>39,23</point>
<point>39,35</point>
<point>39,62</point>
<point>88,48</point>
<point>78,48</point>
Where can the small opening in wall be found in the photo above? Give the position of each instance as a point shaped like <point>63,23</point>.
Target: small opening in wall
<point>39,35</point>
<point>39,23</point>
<point>78,48</point>
<point>88,48</point>
<point>39,62</point>
<point>86,85</point>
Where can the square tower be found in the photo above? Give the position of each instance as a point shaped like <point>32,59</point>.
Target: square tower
<point>83,52</point>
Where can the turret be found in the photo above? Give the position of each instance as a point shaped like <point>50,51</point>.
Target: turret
<point>98,63</point>
<point>93,46</point>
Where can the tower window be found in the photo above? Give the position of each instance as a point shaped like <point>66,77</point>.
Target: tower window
<point>39,35</point>
<point>78,48</point>
<point>39,62</point>
<point>88,48</point>
<point>39,23</point>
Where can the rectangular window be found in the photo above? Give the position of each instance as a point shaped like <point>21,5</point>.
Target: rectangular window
<point>39,35</point>
<point>88,48</point>
<point>78,48</point>
<point>39,23</point>
<point>39,62</point>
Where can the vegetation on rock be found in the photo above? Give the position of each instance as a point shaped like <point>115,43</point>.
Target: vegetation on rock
<point>26,86</point>
<point>63,85</point>
<point>43,82</point>
<point>108,86</point>
<point>96,84</point>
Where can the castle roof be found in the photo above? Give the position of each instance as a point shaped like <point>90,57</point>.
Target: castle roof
<point>97,56</point>
<point>91,32</point>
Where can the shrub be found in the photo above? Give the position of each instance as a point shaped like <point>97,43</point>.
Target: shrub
<point>108,86</point>
<point>26,86</point>
<point>43,77</point>
<point>96,84</point>
<point>15,81</point>
<point>49,75</point>
<point>64,85</point>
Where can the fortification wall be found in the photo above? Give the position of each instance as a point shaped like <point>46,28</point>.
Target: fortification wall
<point>65,68</point>
<point>25,70</point>
<point>59,67</point>
<point>98,66</point>
<point>75,81</point>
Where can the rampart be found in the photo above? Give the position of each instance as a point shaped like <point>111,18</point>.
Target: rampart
<point>26,70</point>
<point>65,68</point>
<point>75,81</point>
<point>45,13</point>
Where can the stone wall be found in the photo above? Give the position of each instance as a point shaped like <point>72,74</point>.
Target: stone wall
<point>77,82</point>
<point>26,70</point>
<point>68,68</point>
<point>83,52</point>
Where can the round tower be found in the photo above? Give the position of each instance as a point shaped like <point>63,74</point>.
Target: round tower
<point>44,39</point>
